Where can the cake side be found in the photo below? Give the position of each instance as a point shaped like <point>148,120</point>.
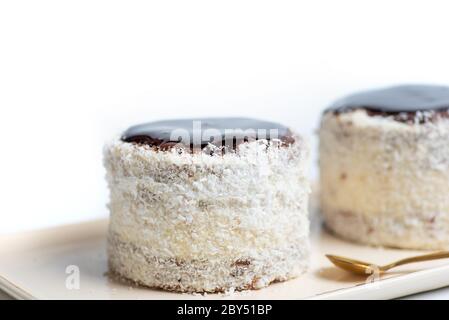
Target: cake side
<point>383,181</point>
<point>202,223</point>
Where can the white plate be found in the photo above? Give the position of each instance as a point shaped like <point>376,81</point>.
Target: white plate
<point>33,266</point>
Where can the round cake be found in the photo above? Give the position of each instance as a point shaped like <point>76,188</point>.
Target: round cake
<point>384,167</point>
<point>208,205</point>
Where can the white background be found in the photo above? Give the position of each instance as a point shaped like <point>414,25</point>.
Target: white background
<point>75,73</point>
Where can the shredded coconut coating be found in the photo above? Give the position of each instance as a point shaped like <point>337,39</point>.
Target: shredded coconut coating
<point>201,223</point>
<point>385,182</point>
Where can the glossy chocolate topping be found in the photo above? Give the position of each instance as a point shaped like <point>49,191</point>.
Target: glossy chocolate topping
<point>398,99</point>
<point>197,133</point>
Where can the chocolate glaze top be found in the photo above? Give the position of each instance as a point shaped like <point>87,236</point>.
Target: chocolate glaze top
<point>398,99</point>
<point>197,133</point>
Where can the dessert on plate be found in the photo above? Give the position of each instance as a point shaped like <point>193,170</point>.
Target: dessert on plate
<point>384,167</point>
<point>208,205</point>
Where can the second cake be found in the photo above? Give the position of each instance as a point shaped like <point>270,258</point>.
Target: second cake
<point>384,167</point>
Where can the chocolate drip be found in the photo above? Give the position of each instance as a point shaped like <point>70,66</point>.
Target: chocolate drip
<point>404,102</point>
<point>198,133</point>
